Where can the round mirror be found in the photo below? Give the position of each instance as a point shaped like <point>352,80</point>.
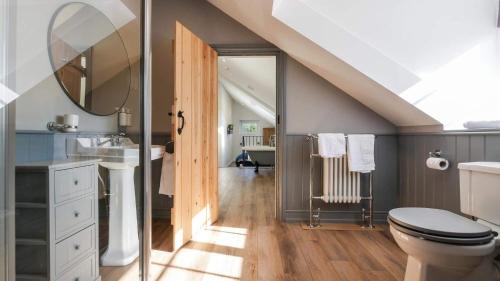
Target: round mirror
<point>89,58</point>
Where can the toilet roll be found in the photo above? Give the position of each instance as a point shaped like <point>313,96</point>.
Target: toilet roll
<point>437,163</point>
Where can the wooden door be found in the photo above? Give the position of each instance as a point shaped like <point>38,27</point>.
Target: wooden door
<point>195,130</point>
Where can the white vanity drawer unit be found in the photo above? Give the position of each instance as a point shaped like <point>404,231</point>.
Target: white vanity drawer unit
<point>57,221</point>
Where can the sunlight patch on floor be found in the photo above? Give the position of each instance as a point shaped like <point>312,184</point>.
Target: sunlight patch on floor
<point>235,230</point>
<point>222,236</point>
<point>207,263</point>
<point>160,256</point>
<point>177,273</point>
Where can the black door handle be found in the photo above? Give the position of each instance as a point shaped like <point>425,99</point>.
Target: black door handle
<point>179,115</point>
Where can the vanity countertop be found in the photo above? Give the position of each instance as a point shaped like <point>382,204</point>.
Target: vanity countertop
<point>60,164</point>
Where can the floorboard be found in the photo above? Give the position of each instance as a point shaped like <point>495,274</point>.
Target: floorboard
<point>248,244</point>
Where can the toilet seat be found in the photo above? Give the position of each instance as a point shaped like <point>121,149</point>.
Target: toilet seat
<point>439,226</point>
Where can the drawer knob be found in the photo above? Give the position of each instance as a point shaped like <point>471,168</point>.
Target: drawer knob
<point>76,182</point>
<point>76,214</point>
<point>77,279</point>
<point>77,247</point>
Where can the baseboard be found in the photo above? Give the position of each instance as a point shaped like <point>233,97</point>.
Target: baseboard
<point>334,216</point>
<point>345,227</point>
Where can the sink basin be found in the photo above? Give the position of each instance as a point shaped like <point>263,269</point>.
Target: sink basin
<point>120,160</point>
<point>125,152</point>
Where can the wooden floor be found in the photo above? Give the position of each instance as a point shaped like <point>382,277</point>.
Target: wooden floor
<point>248,244</point>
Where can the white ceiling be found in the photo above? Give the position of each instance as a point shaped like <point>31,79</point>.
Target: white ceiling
<point>255,75</point>
<point>251,82</point>
<point>415,62</point>
<point>442,57</point>
<point>248,101</point>
<point>257,16</point>
<point>420,35</point>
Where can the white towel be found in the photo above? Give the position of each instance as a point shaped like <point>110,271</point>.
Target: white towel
<point>167,175</point>
<point>361,153</point>
<point>331,145</point>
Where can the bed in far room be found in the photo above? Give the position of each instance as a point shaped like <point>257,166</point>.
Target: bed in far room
<point>261,155</point>
<point>258,151</point>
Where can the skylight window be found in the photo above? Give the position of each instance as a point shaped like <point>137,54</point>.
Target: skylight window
<point>441,58</point>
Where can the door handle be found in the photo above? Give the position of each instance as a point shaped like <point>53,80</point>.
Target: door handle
<point>179,115</point>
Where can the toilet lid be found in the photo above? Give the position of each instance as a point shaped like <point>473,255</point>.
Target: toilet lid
<point>439,224</point>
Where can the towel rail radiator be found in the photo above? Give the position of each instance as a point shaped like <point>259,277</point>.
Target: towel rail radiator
<point>314,219</point>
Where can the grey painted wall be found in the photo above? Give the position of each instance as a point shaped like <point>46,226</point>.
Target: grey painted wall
<point>214,27</point>
<point>205,20</point>
<point>423,187</point>
<point>33,146</point>
<point>314,105</point>
<point>296,203</point>
<point>161,204</point>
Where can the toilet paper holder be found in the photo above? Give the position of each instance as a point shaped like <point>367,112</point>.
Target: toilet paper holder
<point>435,153</point>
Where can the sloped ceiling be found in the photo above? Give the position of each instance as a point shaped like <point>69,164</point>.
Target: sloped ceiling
<point>415,62</point>
<point>256,75</point>
<point>257,16</point>
<point>251,81</point>
<point>442,57</point>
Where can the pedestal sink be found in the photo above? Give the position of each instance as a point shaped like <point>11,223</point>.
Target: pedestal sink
<point>120,158</point>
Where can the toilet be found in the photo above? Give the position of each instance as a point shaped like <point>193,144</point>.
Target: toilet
<point>442,245</point>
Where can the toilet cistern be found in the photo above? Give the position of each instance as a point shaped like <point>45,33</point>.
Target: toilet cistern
<point>445,246</point>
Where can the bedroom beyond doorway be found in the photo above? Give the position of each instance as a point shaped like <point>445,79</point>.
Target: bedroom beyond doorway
<point>247,114</point>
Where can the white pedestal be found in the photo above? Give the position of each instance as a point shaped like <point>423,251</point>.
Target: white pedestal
<point>123,247</point>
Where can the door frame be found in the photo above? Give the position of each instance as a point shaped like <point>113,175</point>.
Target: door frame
<point>145,221</point>
<point>7,197</point>
<point>8,145</point>
<point>265,50</point>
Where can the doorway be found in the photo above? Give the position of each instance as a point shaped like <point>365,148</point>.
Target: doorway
<point>247,139</point>
<point>257,51</point>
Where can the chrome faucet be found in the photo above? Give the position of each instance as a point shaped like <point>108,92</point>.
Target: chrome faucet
<point>101,143</point>
<point>115,140</point>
